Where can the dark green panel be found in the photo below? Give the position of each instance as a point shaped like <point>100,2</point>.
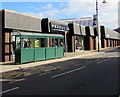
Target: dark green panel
<point>59,52</point>
<point>50,52</point>
<point>55,37</point>
<point>17,56</point>
<point>27,55</point>
<point>27,36</point>
<point>39,37</point>
<point>39,54</point>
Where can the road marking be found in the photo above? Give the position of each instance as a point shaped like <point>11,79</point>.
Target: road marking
<point>2,80</point>
<point>68,72</point>
<point>9,90</point>
<point>103,61</point>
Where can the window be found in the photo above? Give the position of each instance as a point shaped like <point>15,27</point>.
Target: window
<point>27,42</point>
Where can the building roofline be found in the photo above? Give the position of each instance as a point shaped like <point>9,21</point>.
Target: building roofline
<point>21,13</point>
<point>77,18</point>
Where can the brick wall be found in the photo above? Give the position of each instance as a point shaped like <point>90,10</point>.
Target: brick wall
<point>7,46</point>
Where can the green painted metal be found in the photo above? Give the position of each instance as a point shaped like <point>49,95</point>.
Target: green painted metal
<point>54,36</point>
<point>27,55</point>
<point>50,52</point>
<point>28,36</point>
<point>39,54</point>
<point>23,55</point>
<point>59,52</point>
<point>39,36</point>
<point>17,57</point>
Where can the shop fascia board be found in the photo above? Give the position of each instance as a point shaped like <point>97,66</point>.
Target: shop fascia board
<point>83,30</point>
<point>90,29</point>
<point>111,34</point>
<point>76,29</point>
<point>60,22</point>
<point>21,21</point>
<point>57,23</point>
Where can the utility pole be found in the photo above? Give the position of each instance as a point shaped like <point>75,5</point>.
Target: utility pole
<point>97,23</point>
<point>66,42</point>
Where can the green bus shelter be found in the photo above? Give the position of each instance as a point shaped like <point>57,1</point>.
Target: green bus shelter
<point>31,47</point>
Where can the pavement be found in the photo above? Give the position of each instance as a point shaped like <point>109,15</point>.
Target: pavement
<point>10,66</point>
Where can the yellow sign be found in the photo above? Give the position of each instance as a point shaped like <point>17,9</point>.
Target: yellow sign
<point>66,32</point>
<point>37,44</point>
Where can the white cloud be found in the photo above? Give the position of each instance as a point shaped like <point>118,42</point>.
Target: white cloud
<point>34,14</point>
<point>48,6</point>
<point>61,4</point>
<point>108,13</point>
<point>51,12</point>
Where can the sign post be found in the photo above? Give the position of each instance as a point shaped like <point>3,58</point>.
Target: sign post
<point>66,42</point>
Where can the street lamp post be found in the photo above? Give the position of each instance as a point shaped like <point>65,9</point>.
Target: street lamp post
<point>66,42</point>
<point>98,24</point>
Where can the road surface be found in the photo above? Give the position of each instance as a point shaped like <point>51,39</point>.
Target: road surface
<point>92,75</point>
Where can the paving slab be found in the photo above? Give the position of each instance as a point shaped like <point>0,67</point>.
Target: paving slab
<point>9,66</point>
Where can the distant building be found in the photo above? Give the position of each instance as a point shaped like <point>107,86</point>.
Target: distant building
<point>86,21</point>
<point>117,29</point>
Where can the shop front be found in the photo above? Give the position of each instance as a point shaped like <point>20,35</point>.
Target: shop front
<point>52,26</point>
<point>75,37</point>
<point>90,38</point>
<point>14,22</point>
<point>109,38</point>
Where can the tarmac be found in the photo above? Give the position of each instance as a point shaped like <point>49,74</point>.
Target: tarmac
<point>10,66</point>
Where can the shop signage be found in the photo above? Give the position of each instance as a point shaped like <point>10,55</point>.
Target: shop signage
<point>95,20</point>
<point>59,27</point>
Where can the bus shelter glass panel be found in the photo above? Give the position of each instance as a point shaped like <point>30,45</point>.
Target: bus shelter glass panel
<point>27,51</point>
<point>27,42</point>
<point>55,42</point>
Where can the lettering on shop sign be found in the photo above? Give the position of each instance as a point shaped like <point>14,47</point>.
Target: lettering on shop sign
<point>58,27</point>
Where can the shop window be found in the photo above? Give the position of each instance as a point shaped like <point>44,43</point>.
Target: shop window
<point>27,42</point>
<point>79,42</point>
